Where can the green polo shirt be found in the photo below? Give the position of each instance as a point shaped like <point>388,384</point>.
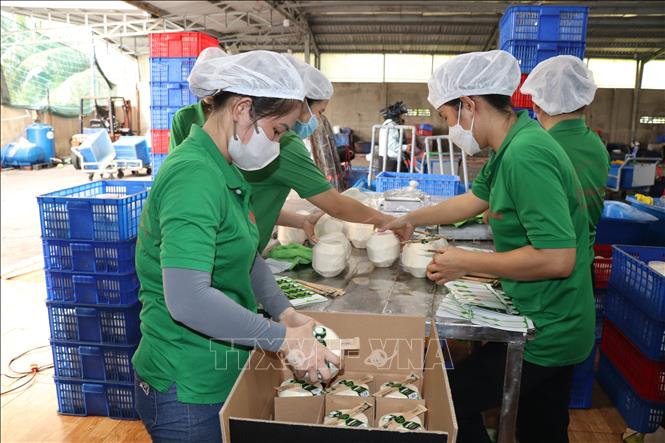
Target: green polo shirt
<point>591,162</point>
<point>535,199</point>
<point>183,120</point>
<point>197,217</point>
<point>293,169</point>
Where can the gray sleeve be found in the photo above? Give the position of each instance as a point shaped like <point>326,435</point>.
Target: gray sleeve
<point>193,302</point>
<point>266,290</point>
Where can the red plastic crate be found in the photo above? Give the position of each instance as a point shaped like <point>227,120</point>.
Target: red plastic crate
<point>646,377</point>
<point>602,265</point>
<point>520,100</point>
<point>180,44</point>
<point>160,141</point>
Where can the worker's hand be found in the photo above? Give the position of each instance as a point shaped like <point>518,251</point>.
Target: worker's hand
<point>486,216</point>
<point>402,228</point>
<point>308,224</point>
<point>293,319</point>
<point>449,264</point>
<point>306,355</point>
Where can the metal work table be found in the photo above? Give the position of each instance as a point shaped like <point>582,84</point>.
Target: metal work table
<point>392,291</point>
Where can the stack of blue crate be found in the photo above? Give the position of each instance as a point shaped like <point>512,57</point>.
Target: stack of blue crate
<point>172,57</point>
<point>89,239</point>
<point>533,34</point>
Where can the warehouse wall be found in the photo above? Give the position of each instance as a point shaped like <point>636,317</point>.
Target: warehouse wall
<point>15,120</point>
<point>357,105</point>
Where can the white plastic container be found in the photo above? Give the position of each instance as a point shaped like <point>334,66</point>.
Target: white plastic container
<point>416,256</point>
<point>330,254</point>
<point>383,249</point>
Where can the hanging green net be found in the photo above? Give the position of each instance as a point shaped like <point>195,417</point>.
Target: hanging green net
<point>41,71</point>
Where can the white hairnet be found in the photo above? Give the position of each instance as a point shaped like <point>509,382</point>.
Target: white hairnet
<point>254,73</point>
<point>317,86</point>
<point>209,53</point>
<point>474,73</point>
<point>560,85</point>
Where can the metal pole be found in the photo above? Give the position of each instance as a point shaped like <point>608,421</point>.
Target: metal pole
<point>511,392</point>
<point>413,149</point>
<point>636,100</point>
<point>307,49</point>
<point>399,150</point>
<point>439,148</point>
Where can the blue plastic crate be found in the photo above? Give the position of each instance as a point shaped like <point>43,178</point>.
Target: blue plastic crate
<point>637,281</point>
<point>544,23</point>
<point>111,325</point>
<point>132,147</point>
<point>658,229</point>
<point>107,210</point>
<point>157,160</point>
<point>171,95</point>
<point>645,332</point>
<point>83,397</point>
<point>530,53</point>
<point>83,361</point>
<point>640,414</point>
<point>432,184</point>
<point>102,289</point>
<point>580,391</point>
<point>612,231</point>
<point>162,117</point>
<point>96,147</point>
<point>98,257</point>
<point>171,69</point>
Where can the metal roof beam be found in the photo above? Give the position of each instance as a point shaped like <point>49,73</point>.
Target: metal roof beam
<point>291,12</point>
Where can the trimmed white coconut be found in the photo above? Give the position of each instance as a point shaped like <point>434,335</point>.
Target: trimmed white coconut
<point>414,424</point>
<point>330,254</point>
<point>342,419</point>
<point>416,256</point>
<point>409,391</point>
<point>288,236</point>
<point>301,388</point>
<point>383,249</point>
<point>354,389</point>
<point>328,338</point>
<point>359,233</point>
<point>328,225</point>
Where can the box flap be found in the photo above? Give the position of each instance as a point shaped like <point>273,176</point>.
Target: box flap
<point>392,343</point>
<point>299,409</point>
<point>436,389</point>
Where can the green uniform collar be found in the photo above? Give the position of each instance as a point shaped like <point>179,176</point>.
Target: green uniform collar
<point>569,125</point>
<point>523,119</point>
<point>232,176</point>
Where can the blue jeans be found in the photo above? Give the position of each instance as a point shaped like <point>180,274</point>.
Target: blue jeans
<point>168,420</point>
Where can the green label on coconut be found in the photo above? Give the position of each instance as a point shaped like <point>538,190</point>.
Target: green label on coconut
<point>404,390</point>
<point>402,421</point>
<point>320,334</point>
<point>313,389</point>
<point>353,423</point>
<point>360,390</point>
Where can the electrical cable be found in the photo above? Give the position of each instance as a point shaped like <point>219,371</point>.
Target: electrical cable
<point>20,375</point>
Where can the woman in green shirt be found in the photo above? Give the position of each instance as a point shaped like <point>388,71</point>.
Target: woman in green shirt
<point>293,169</point>
<point>201,279</point>
<point>540,228</point>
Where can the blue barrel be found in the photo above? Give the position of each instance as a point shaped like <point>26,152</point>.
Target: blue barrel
<point>42,135</point>
<point>21,155</point>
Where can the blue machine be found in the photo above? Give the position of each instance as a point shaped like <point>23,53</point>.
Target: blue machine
<point>42,135</point>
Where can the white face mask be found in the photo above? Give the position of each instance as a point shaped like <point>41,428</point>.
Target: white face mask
<point>256,154</point>
<point>464,137</point>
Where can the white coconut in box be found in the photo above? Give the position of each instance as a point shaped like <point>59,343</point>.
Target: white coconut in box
<point>390,349</point>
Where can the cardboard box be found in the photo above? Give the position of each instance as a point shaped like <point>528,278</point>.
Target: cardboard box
<point>391,347</point>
